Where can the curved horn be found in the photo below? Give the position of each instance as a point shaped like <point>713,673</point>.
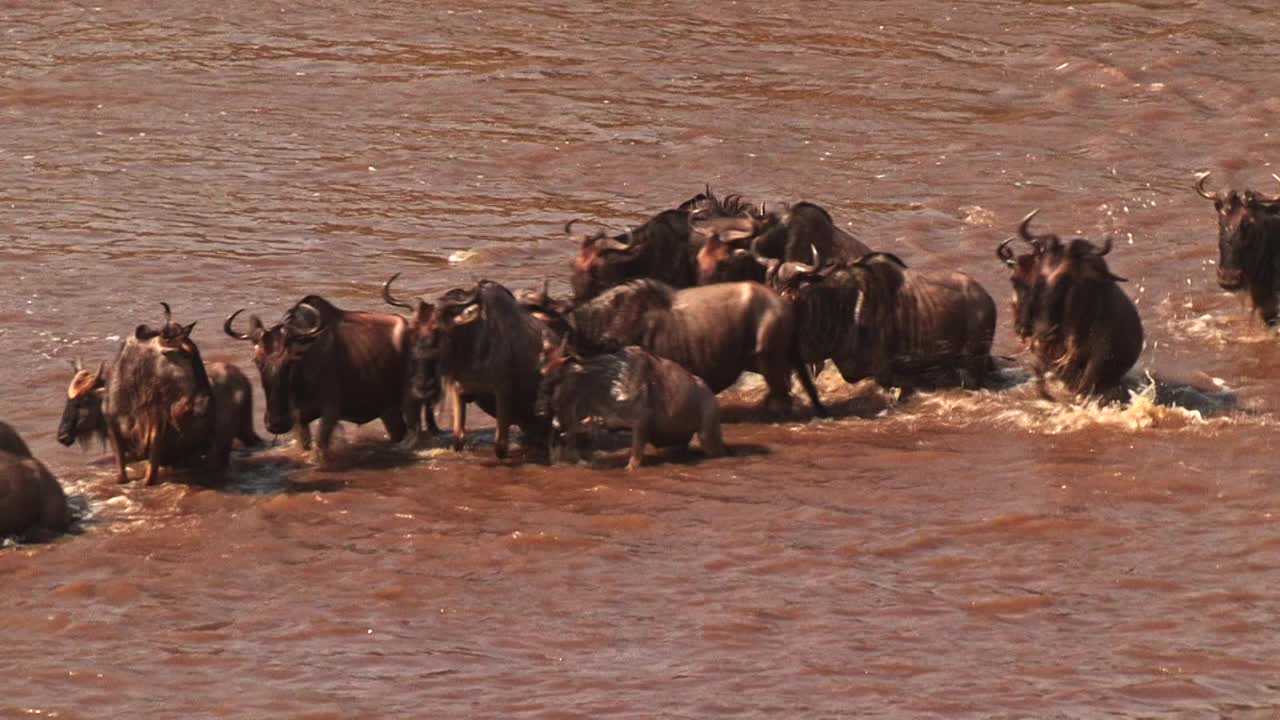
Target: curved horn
<point>387,297</point>
<point>568,227</point>
<point>168,314</point>
<point>1106,246</point>
<point>226,327</point>
<point>319,328</point>
<point>1004,253</point>
<point>1024,227</point>
<point>1202,192</point>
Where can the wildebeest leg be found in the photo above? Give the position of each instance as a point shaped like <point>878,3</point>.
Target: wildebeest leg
<point>709,431</point>
<point>219,457</point>
<point>402,424</point>
<point>1268,305</point>
<point>458,408</point>
<point>806,380</point>
<point>117,448</point>
<point>583,446</point>
<point>155,437</point>
<point>1042,386</point>
<point>328,422</point>
<point>502,399</point>
<point>304,432</point>
<point>639,438</point>
<point>429,412</point>
<point>773,362</point>
<point>244,427</point>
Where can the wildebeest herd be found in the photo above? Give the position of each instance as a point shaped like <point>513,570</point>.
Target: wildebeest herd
<point>662,318</point>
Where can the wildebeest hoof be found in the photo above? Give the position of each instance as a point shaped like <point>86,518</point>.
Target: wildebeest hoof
<point>458,444</point>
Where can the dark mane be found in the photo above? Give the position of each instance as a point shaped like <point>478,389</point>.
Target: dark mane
<point>616,317</point>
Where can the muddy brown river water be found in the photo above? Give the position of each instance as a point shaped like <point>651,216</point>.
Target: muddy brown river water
<point>959,555</point>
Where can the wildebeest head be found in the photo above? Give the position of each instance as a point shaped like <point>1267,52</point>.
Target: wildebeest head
<point>278,353</point>
<point>723,258</point>
<point>660,249</point>
<point>82,415</point>
<point>1242,240</point>
<point>424,383</point>
<point>1055,276</point>
<point>172,338</point>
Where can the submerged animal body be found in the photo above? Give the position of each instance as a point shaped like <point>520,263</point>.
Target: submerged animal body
<point>32,502</point>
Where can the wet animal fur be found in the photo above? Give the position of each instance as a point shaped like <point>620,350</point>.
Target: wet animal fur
<point>876,318</point>
<point>659,401</point>
<point>32,502</point>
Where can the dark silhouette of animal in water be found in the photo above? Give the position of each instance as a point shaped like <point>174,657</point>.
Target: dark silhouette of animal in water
<point>1249,247</point>
<point>32,503</point>
<point>1071,313</point>
<point>656,399</point>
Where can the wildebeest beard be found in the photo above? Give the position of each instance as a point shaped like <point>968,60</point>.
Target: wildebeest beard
<point>619,317</point>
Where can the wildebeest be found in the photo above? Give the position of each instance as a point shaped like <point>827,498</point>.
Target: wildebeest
<point>1071,313</point>
<point>163,405</point>
<point>82,418</point>
<point>659,401</point>
<point>715,331</point>
<point>875,318</point>
<point>32,503</point>
<point>806,233</point>
<point>1248,247</point>
<point>749,249</point>
<point>659,249</point>
<point>487,348</point>
<point>423,386</point>
<point>324,363</point>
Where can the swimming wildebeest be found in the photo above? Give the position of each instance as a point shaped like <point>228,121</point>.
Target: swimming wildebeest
<point>1071,313</point>
<point>163,405</point>
<point>656,399</point>
<point>423,387</point>
<point>324,363</point>
<point>875,318</point>
<point>32,503</point>
<point>1249,247</point>
<point>717,332</point>
<point>659,249</point>
<point>487,348</point>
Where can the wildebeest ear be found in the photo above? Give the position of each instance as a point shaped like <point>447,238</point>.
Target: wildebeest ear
<point>469,315</point>
<point>186,331</point>
<point>144,332</point>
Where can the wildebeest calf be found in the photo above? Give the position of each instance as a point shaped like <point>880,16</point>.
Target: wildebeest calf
<point>659,401</point>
